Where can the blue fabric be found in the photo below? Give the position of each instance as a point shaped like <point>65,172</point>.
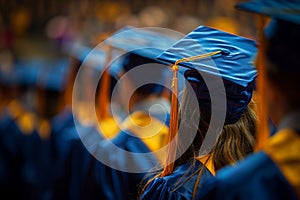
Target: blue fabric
<point>105,182</point>
<point>257,177</point>
<point>130,38</point>
<point>26,162</point>
<point>52,75</point>
<point>145,43</point>
<point>11,141</point>
<point>287,10</point>
<point>23,73</point>
<point>178,185</point>
<point>37,168</point>
<point>235,65</point>
<point>70,157</point>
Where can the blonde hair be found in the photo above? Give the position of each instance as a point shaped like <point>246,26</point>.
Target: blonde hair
<point>235,141</point>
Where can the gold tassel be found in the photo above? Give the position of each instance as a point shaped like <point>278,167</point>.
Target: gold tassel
<point>169,165</point>
<point>171,152</point>
<point>262,132</point>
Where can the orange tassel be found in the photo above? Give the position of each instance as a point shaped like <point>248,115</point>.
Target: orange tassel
<point>103,97</point>
<point>171,156</point>
<point>262,132</point>
<point>171,152</point>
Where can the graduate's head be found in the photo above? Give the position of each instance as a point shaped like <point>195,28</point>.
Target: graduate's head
<point>140,71</point>
<point>216,65</point>
<point>282,66</point>
<point>152,68</point>
<point>281,40</point>
<point>141,77</point>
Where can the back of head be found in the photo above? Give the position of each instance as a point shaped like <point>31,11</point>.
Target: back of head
<point>236,140</point>
<point>282,55</point>
<point>150,69</point>
<point>282,44</point>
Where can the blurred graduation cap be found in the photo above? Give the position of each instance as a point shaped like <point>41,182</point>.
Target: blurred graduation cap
<point>52,75</point>
<point>283,35</point>
<point>143,43</point>
<point>23,73</point>
<point>27,72</point>
<point>287,10</point>
<point>285,20</point>
<point>130,47</point>
<point>208,51</point>
<point>79,51</point>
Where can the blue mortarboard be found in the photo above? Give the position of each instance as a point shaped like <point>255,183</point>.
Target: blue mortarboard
<point>282,32</point>
<point>232,58</point>
<point>131,38</point>
<point>52,76</point>
<point>141,47</point>
<point>287,10</point>
<point>79,51</point>
<point>144,43</point>
<point>23,73</point>
<point>27,72</point>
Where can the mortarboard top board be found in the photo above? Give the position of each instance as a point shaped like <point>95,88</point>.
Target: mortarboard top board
<point>287,10</point>
<point>282,31</point>
<point>23,73</point>
<point>144,43</point>
<point>233,61</point>
<point>79,51</point>
<point>131,38</point>
<point>28,71</point>
<point>125,40</point>
<point>132,47</point>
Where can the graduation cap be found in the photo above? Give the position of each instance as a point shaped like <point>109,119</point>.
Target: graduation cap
<point>28,71</point>
<point>287,10</point>
<point>140,47</point>
<point>23,73</point>
<point>208,51</point>
<point>52,75</point>
<point>282,48</point>
<point>142,43</point>
<point>285,20</point>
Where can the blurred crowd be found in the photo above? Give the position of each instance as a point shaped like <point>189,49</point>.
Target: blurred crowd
<point>47,31</point>
<point>39,60</point>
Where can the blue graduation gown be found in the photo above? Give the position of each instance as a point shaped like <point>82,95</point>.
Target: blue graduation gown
<point>26,161</point>
<point>37,168</point>
<point>178,185</point>
<point>257,177</point>
<point>11,140</point>
<point>70,157</point>
<point>104,182</point>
